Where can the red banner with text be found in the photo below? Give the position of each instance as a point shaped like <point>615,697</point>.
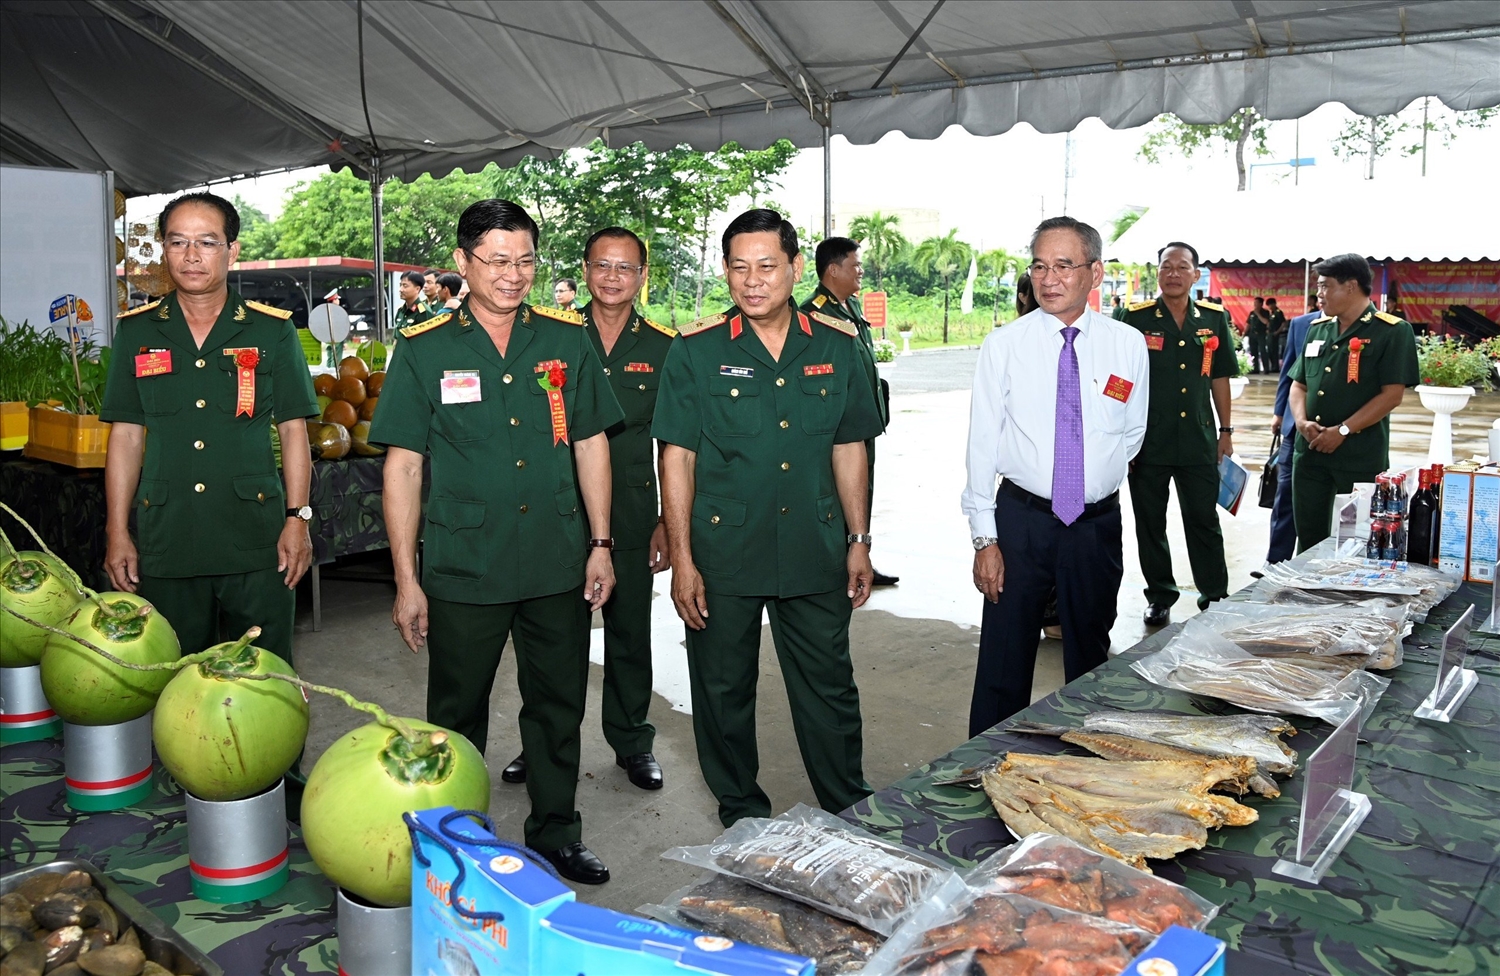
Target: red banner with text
<point>1425,289</point>
<point>1239,287</point>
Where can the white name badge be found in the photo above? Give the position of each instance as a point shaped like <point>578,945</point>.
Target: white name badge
<point>460,386</point>
<point>1314,348</point>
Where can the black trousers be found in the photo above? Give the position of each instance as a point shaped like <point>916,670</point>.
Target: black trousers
<point>1085,561</point>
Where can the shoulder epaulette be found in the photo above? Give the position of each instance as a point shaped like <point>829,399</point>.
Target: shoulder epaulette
<point>139,309</point>
<point>1388,318</point>
<point>428,326</point>
<point>1140,305</point>
<point>271,310</point>
<point>1211,306</point>
<point>1326,318</point>
<point>665,330</point>
<point>819,300</point>
<point>847,328</point>
<point>703,324</point>
<point>560,314</point>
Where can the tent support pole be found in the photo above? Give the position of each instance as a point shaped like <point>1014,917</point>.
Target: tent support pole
<point>827,182</point>
<point>377,193</point>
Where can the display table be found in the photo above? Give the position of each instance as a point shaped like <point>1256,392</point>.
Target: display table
<point>1416,891</point>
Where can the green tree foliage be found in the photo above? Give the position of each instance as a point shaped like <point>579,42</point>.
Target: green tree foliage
<point>1125,221</point>
<point>943,256</point>
<point>996,264</point>
<point>1170,135</point>
<point>257,231</point>
<point>881,242</point>
<point>1407,132</point>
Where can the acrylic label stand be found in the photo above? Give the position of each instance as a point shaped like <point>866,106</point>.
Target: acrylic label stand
<point>1454,681</point>
<point>1331,811</point>
<point>1491,624</point>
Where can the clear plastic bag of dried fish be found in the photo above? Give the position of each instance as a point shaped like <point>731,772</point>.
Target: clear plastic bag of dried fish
<point>1057,871</point>
<point>1419,588</point>
<point>814,857</point>
<point>1369,637</point>
<point>1322,688</point>
<point>988,933</point>
<point>735,909</point>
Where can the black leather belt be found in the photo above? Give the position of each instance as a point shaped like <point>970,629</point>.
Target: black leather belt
<point>1093,509</point>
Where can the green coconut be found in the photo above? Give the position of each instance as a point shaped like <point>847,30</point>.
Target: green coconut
<point>85,688</point>
<point>37,586</point>
<point>224,736</point>
<point>364,782</point>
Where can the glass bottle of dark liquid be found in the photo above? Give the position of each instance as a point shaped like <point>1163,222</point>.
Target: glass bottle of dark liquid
<point>1435,485</point>
<point>1421,535</point>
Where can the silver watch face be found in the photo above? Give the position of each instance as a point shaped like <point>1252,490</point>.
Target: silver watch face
<point>983,542</point>
<point>305,513</point>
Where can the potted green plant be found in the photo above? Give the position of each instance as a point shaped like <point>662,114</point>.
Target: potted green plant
<point>1238,382</point>
<point>885,355</point>
<point>32,364</point>
<point>1450,371</point>
<point>64,422</point>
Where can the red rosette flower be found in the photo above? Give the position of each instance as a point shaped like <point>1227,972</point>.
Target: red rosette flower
<point>556,377</point>
<point>247,358</point>
<point>1211,343</point>
<point>1356,344</point>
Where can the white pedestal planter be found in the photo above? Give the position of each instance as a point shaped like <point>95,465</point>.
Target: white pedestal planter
<point>906,343</point>
<point>1444,402</point>
<point>886,367</point>
<point>1237,386</point>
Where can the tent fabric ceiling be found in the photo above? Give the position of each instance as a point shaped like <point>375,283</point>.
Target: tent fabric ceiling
<point>168,93</point>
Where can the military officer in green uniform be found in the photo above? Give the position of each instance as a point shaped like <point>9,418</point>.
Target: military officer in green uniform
<point>413,307</point>
<point>506,399</point>
<point>765,410</point>
<point>839,275</point>
<point>633,349</point>
<point>1191,349</point>
<point>1352,373</point>
<point>220,544</point>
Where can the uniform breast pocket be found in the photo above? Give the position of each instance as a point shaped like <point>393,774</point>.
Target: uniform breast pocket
<point>540,405</point>
<point>460,422</point>
<point>637,396</point>
<point>821,404</point>
<point>160,397</point>
<point>718,537</point>
<point>453,543</point>
<point>734,406</point>
<point>261,377</point>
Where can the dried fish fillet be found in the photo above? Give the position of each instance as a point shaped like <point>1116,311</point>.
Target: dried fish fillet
<point>1318,687</point>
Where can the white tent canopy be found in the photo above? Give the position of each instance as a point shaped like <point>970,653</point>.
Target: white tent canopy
<point>1439,222</point>
<point>168,93</point>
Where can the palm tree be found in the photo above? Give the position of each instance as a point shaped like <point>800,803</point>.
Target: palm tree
<point>880,240</point>
<point>942,256</point>
<point>997,264</point>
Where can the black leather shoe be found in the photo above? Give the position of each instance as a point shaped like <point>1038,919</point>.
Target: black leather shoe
<point>577,863</point>
<point>882,579</point>
<point>642,769</point>
<point>516,771</point>
<point>1157,615</point>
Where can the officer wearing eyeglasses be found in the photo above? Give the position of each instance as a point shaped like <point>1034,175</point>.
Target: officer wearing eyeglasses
<point>208,372</point>
<point>510,403</point>
<point>633,349</point>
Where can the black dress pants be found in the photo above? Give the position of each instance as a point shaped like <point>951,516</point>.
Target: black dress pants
<point>1085,561</point>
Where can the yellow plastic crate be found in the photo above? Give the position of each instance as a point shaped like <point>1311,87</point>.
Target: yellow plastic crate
<point>15,424</point>
<point>67,438</point>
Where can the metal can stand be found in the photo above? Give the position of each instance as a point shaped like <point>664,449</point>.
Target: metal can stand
<point>237,849</point>
<point>25,715</point>
<point>106,767</point>
<point>373,941</point>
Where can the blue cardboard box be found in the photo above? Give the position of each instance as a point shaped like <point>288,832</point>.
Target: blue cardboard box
<point>585,940</point>
<point>1180,952</point>
<point>443,942</point>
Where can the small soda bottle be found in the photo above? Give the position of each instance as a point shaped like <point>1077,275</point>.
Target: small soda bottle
<point>1379,536</point>
<point>1382,494</point>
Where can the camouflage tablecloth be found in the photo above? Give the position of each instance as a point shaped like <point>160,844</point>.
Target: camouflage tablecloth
<point>1416,891</point>
<point>346,499</point>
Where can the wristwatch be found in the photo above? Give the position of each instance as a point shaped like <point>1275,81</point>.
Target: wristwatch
<point>1344,430</point>
<point>602,544</point>
<point>864,537</point>
<point>984,542</point>
<point>304,513</point>
<point>1226,430</point>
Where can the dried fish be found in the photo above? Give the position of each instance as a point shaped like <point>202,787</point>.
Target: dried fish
<point>1369,635</point>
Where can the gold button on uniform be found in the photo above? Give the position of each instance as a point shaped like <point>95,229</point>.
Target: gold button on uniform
<point>201,404</point>
<point>1182,365</point>
<point>643,387</point>
<point>1184,389</point>
<point>520,464</point>
<point>505,378</point>
<point>606,371</point>
<point>198,487</point>
<point>1183,414</point>
<point>523,509</point>
<point>514,422</point>
<point>1320,393</point>
<point>1180,342</point>
<point>786,465</point>
<point>145,503</point>
<point>714,520</point>
<point>734,392</point>
<point>1327,369</point>
<point>197,445</point>
<point>199,364</point>
<point>260,496</point>
<point>781,381</point>
<point>785,510</point>
<point>823,392</point>
<point>785,425</point>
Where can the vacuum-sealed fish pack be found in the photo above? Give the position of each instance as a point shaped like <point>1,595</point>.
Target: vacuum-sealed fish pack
<point>1364,635</point>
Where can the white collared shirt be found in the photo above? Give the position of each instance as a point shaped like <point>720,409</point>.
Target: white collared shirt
<point>1012,418</point>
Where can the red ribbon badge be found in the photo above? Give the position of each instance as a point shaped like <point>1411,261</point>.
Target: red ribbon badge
<point>1355,345</point>
<point>1209,345</point>
<point>553,383</point>
<point>245,361</point>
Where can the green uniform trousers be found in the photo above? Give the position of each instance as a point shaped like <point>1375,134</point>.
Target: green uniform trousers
<point>1197,496</point>
<point>1314,483</point>
<point>464,642</point>
<point>208,610</point>
<point>627,655</point>
<point>811,634</point>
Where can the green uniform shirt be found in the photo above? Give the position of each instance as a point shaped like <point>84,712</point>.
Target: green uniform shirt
<point>1387,355</point>
<point>1181,427</point>
<point>409,315</point>
<point>633,368</point>
<point>1256,327</point>
<point>766,514</point>
<point>504,517</point>
<point>822,300</point>
<point>210,500</point>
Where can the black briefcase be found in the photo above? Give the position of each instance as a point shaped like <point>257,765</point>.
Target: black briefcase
<point>1270,475</point>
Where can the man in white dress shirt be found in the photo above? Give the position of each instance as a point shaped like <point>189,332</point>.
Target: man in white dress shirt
<point>1059,409</point>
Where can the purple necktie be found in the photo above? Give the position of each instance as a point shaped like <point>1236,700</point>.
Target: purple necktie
<point>1067,462</point>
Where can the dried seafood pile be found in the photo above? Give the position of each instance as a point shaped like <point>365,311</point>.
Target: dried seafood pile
<point>1367,636</point>
<point>1128,810</point>
<point>1250,739</point>
<point>1420,588</point>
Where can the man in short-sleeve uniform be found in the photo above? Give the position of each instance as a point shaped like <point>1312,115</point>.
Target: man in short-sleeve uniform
<point>413,307</point>
<point>765,411</point>
<point>1191,350</point>
<point>207,373</point>
<point>505,398</point>
<point>1352,372</point>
